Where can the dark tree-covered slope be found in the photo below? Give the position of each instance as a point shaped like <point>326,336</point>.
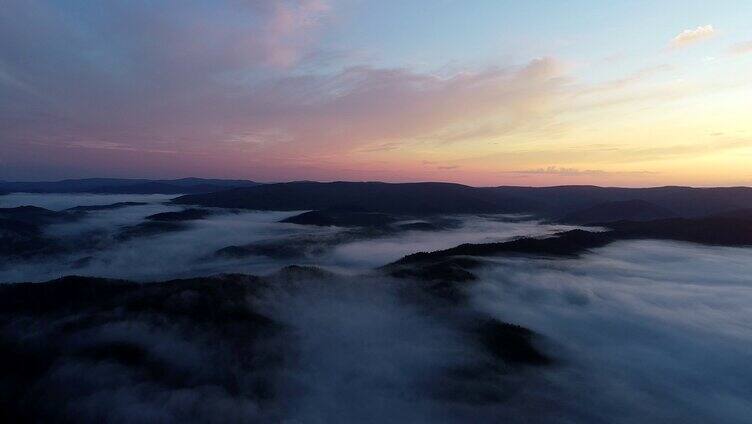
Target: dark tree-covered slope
<point>444,198</point>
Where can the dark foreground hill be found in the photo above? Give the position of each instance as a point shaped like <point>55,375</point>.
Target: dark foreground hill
<point>586,202</point>
<point>84,349</point>
<point>125,186</point>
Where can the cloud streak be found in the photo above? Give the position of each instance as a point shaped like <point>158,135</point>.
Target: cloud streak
<point>744,47</point>
<point>575,172</point>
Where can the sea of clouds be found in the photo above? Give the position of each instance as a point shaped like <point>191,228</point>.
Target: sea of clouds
<point>641,331</point>
<point>190,252</point>
<point>650,331</point>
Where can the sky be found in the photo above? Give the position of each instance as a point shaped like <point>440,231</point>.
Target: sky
<point>618,93</point>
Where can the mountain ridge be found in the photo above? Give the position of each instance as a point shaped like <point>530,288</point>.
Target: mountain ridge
<point>553,203</point>
<point>124,185</point>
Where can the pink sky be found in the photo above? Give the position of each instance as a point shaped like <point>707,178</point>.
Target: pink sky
<point>279,91</point>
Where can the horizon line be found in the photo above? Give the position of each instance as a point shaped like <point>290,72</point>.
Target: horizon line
<point>367,181</point>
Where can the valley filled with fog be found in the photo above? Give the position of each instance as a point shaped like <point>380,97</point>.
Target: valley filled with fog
<point>191,250</point>
<point>635,330</point>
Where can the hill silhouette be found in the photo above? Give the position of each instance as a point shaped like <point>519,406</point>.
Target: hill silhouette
<point>125,186</point>
<point>626,210</point>
<point>445,198</point>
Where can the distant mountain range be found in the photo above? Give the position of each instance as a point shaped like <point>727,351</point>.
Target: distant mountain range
<point>621,210</point>
<point>573,204</point>
<point>408,198</point>
<point>567,204</point>
<point>125,186</point>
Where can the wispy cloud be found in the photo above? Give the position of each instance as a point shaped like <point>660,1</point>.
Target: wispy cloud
<point>576,172</point>
<point>628,81</point>
<point>741,48</point>
<point>692,36</point>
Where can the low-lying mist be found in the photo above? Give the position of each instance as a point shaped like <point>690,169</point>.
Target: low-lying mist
<point>637,331</point>
<point>648,331</point>
<point>61,201</point>
<point>191,251</point>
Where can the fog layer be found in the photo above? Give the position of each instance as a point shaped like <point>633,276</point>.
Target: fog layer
<point>649,331</point>
<point>191,251</point>
<point>638,331</point>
